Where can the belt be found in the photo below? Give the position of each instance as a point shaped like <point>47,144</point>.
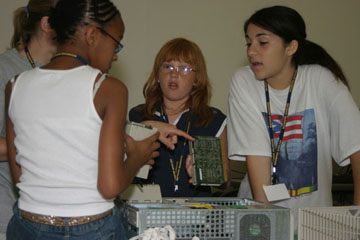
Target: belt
<point>60,221</point>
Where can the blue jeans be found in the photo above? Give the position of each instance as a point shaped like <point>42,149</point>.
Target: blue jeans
<point>110,227</point>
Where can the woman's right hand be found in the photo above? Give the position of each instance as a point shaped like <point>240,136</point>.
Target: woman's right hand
<point>168,133</point>
<point>143,151</point>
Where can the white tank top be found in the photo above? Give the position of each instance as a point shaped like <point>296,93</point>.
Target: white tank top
<point>57,137</point>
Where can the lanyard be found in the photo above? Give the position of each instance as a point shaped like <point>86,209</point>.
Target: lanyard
<point>275,152</point>
<point>65,54</point>
<point>29,57</point>
<point>177,168</point>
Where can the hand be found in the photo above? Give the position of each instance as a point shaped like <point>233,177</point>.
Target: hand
<point>143,151</point>
<point>189,167</point>
<point>168,133</point>
<point>151,163</point>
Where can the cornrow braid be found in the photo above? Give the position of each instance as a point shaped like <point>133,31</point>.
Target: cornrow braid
<point>69,15</point>
<point>104,11</point>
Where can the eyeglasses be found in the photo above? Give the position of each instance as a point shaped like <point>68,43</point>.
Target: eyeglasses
<point>119,45</point>
<point>183,70</point>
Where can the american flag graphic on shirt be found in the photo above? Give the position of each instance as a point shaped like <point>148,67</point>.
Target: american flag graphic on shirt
<point>297,163</point>
<point>293,128</point>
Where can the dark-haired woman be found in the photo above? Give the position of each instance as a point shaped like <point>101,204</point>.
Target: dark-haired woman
<point>32,45</point>
<point>65,131</point>
<point>290,112</point>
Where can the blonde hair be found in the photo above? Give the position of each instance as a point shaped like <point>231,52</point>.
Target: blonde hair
<point>180,49</point>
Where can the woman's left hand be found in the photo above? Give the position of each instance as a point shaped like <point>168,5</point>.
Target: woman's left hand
<point>189,167</point>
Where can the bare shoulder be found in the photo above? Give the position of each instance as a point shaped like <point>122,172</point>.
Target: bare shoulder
<point>113,84</point>
<point>9,85</point>
<point>112,89</point>
<point>112,96</point>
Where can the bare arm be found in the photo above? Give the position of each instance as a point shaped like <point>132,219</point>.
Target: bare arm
<point>3,149</point>
<point>114,174</point>
<point>168,133</point>
<point>355,165</point>
<point>10,136</point>
<point>259,174</point>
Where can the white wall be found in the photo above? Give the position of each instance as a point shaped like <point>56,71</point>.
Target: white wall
<point>216,26</point>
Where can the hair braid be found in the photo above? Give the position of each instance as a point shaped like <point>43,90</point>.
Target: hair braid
<point>68,15</point>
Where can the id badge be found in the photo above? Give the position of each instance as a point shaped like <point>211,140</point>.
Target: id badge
<point>276,192</point>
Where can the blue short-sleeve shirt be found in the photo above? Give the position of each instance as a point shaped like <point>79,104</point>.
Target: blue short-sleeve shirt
<point>162,172</point>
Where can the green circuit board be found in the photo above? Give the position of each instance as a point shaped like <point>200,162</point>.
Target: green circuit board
<point>207,156</point>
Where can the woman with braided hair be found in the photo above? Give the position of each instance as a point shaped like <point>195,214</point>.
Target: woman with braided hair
<point>65,131</point>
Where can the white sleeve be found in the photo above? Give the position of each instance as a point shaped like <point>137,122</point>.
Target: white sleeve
<point>247,130</point>
<point>344,119</point>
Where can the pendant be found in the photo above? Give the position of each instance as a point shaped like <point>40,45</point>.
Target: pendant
<point>176,188</point>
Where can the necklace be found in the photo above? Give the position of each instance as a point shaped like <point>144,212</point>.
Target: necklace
<point>72,55</point>
<point>29,57</point>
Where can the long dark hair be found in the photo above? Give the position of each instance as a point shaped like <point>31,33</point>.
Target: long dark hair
<point>287,23</point>
<point>68,15</point>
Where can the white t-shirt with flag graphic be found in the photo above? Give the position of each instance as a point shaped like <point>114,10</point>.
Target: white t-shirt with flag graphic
<point>323,123</point>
